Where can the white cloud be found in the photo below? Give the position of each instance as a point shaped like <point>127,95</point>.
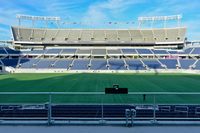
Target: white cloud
<point>103,11</point>
<point>62,8</point>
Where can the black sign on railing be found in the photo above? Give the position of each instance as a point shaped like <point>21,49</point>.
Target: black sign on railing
<point>116,90</point>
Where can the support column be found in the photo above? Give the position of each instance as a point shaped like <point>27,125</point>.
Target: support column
<point>154,110</point>
<point>102,112</point>
<point>49,110</point>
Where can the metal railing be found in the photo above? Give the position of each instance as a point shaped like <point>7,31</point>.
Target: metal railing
<point>137,106</point>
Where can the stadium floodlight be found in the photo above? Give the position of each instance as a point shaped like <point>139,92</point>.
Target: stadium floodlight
<point>29,17</point>
<point>162,18</point>
<point>141,20</point>
<point>37,18</point>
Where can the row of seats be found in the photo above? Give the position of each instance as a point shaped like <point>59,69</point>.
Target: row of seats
<point>99,52</point>
<point>70,35</point>
<point>191,51</point>
<point>102,64</point>
<point>7,50</point>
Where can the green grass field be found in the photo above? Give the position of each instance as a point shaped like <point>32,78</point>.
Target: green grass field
<point>97,83</point>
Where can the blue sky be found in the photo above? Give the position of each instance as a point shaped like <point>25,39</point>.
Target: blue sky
<point>101,11</point>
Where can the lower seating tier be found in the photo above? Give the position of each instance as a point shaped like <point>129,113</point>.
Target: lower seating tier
<point>100,64</point>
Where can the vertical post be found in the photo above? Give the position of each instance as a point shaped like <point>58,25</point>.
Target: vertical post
<point>133,115</point>
<point>152,23</point>
<point>33,23</point>
<point>127,115</point>
<point>58,23</point>
<point>140,23</point>
<point>154,110</point>
<point>178,22</point>
<point>49,110</point>
<point>102,118</point>
<point>102,111</point>
<point>19,25</point>
<point>165,23</point>
<point>19,22</point>
<point>46,23</point>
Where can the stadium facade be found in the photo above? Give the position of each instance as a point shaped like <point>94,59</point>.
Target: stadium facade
<point>99,50</point>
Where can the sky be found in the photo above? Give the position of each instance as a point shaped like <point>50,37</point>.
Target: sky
<point>99,13</point>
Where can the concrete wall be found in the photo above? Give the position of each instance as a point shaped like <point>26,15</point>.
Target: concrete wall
<point>101,71</point>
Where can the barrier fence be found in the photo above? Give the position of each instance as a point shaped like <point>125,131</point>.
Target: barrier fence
<point>98,106</point>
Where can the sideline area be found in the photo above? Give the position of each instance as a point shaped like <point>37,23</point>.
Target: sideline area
<point>100,129</point>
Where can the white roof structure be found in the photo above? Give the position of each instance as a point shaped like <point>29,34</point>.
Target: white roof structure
<point>98,36</point>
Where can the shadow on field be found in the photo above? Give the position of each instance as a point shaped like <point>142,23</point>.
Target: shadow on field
<point>97,82</point>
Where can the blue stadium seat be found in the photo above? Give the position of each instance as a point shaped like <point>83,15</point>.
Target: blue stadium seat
<point>160,52</point>
<point>25,52</point>
<point>173,52</point>
<point>62,63</point>
<point>98,64</point>
<point>152,64</point>
<point>1,62</point>
<point>196,51</point>
<point>2,51</point>
<point>80,64</point>
<point>169,63</point>
<point>135,64</point>
<point>186,63</point>
<point>10,62</point>
<point>197,65</point>
<point>116,64</point>
<point>28,62</point>
<point>45,63</point>
<point>34,52</point>
<point>53,51</point>
<point>188,50</point>
<point>144,51</point>
<point>11,51</point>
<point>129,51</point>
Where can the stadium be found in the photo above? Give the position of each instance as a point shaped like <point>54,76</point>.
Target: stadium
<point>99,76</point>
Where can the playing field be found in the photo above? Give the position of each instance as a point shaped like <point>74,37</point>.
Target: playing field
<point>97,83</point>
